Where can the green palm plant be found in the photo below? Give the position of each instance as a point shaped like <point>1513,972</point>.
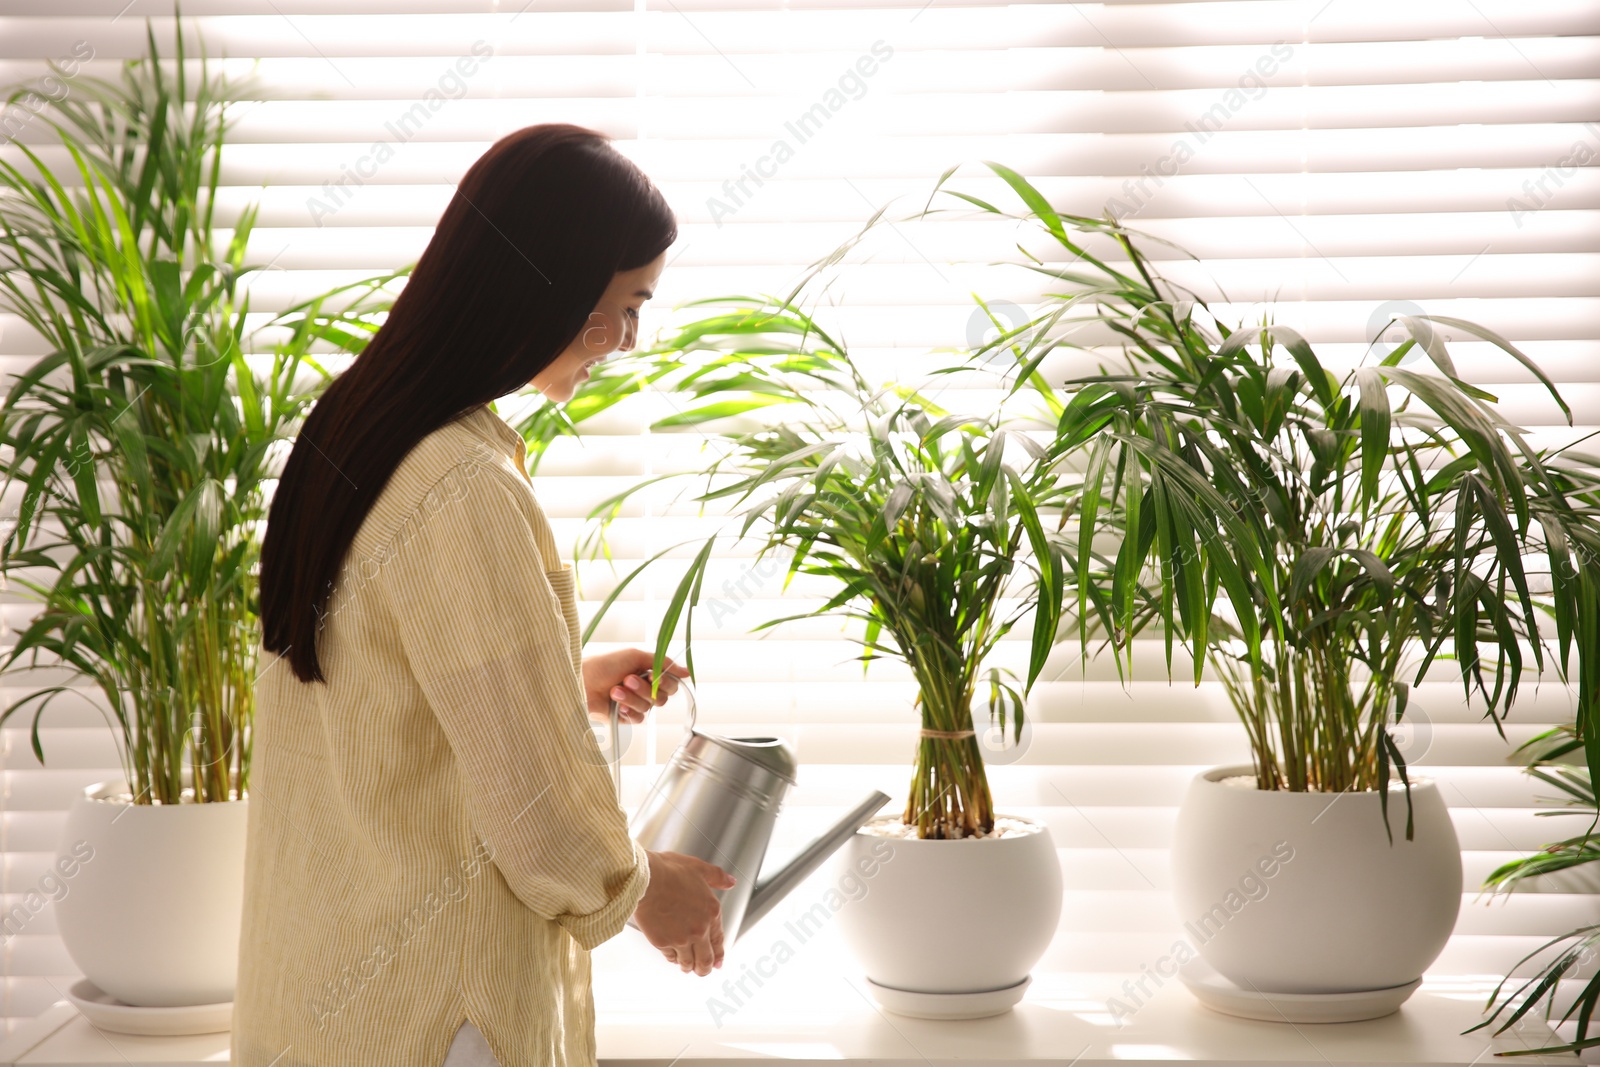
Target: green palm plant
<point>1548,760</point>
<point>1313,534</point>
<point>1552,758</point>
<point>925,523</point>
<point>145,440</point>
<point>1565,957</point>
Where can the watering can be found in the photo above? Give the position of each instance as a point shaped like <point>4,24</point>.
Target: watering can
<point>717,799</point>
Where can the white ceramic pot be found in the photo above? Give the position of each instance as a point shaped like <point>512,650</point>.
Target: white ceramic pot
<point>151,910</point>
<point>1303,893</point>
<point>961,916</point>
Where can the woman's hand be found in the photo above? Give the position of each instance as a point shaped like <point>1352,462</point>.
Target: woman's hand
<point>619,676</point>
<point>679,914</point>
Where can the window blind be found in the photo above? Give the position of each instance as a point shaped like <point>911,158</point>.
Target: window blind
<point>1330,162</point>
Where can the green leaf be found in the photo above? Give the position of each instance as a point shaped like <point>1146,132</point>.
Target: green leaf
<point>1375,424</point>
<point>722,409</point>
<point>1032,197</point>
<point>174,532</point>
<point>684,599</point>
<point>84,470</point>
<point>1322,383</point>
<point>1500,342</point>
<point>1311,562</point>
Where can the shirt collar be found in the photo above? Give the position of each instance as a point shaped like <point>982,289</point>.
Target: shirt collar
<point>492,428</point>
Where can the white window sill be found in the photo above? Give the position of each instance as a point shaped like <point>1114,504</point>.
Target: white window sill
<point>814,1009</point>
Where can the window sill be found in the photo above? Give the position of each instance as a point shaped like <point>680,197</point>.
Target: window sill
<point>814,1009</point>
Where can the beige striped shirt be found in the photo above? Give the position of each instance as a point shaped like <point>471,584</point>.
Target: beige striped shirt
<point>433,832</point>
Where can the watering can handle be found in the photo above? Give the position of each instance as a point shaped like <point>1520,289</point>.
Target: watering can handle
<point>688,691</point>
<point>614,759</point>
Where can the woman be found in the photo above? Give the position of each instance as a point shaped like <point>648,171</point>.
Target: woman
<point>434,843</point>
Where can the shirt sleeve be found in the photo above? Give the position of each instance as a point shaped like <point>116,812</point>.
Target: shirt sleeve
<point>489,643</point>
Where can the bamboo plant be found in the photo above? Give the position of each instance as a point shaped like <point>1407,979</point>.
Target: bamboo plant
<point>924,522</point>
<point>1319,536</point>
<point>144,441</point>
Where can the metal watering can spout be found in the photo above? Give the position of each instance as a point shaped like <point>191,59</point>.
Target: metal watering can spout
<point>775,887</point>
<point>718,799</point>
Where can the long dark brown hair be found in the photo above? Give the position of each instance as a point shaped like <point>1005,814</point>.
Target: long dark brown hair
<point>530,241</point>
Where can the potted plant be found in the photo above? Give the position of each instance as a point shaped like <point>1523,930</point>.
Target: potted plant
<point>924,527</point>
<point>1316,536</point>
<point>142,445</point>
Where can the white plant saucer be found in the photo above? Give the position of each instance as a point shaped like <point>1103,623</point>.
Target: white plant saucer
<point>948,1005</point>
<point>107,1013</point>
<point>1220,994</point>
